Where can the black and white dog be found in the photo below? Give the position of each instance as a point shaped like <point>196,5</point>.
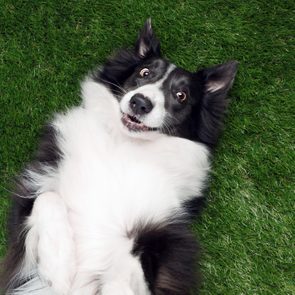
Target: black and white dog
<point>104,208</point>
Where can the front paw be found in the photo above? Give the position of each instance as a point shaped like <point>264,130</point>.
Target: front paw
<point>116,288</point>
<point>55,249</point>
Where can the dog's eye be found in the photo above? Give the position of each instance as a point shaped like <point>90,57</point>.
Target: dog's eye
<point>144,72</point>
<point>181,96</point>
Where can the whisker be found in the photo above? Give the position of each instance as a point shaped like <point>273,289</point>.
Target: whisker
<point>171,118</point>
<point>113,84</point>
<point>167,127</point>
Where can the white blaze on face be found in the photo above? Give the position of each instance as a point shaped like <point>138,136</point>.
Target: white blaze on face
<point>155,94</point>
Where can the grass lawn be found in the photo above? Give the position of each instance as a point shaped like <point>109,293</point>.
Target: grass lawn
<point>247,231</point>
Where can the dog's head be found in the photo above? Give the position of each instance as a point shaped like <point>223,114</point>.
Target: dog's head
<point>155,96</point>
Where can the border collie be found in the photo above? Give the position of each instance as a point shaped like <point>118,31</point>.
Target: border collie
<point>105,206</point>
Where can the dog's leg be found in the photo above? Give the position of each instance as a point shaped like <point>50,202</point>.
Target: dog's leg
<point>125,275</point>
<point>55,247</point>
<point>112,269</point>
<point>118,288</point>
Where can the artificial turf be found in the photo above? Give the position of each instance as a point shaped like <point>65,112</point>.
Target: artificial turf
<point>247,229</point>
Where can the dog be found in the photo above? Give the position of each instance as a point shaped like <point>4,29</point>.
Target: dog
<point>105,207</point>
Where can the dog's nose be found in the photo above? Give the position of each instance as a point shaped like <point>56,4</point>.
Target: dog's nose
<point>140,104</point>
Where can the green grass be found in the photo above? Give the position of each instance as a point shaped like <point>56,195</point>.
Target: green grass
<point>246,231</point>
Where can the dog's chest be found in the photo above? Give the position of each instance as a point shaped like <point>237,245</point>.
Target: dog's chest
<point>106,176</point>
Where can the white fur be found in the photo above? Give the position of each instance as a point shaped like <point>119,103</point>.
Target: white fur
<point>107,181</point>
<point>36,286</point>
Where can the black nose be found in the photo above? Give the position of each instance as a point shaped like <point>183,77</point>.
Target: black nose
<point>140,104</point>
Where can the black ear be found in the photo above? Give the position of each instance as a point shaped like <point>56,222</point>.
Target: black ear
<point>219,79</point>
<point>216,82</point>
<point>147,44</point>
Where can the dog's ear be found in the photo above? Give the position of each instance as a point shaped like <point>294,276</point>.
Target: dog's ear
<point>215,83</point>
<point>147,44</point>
<point>219,79</point>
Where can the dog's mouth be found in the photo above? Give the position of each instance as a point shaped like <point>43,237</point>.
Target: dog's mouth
<point>134,124</point>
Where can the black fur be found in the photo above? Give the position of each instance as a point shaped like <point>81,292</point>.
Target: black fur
<point>168,254</point>
<point>117,69</point>
<point>147,44</point>
<point>209,113</point>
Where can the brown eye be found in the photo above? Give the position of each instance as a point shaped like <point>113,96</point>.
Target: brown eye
<point>144,72</point>
<point>181,96</point>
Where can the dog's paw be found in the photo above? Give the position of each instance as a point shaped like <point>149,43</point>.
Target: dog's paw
<point>116,288</point>
<point>55,248</point>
